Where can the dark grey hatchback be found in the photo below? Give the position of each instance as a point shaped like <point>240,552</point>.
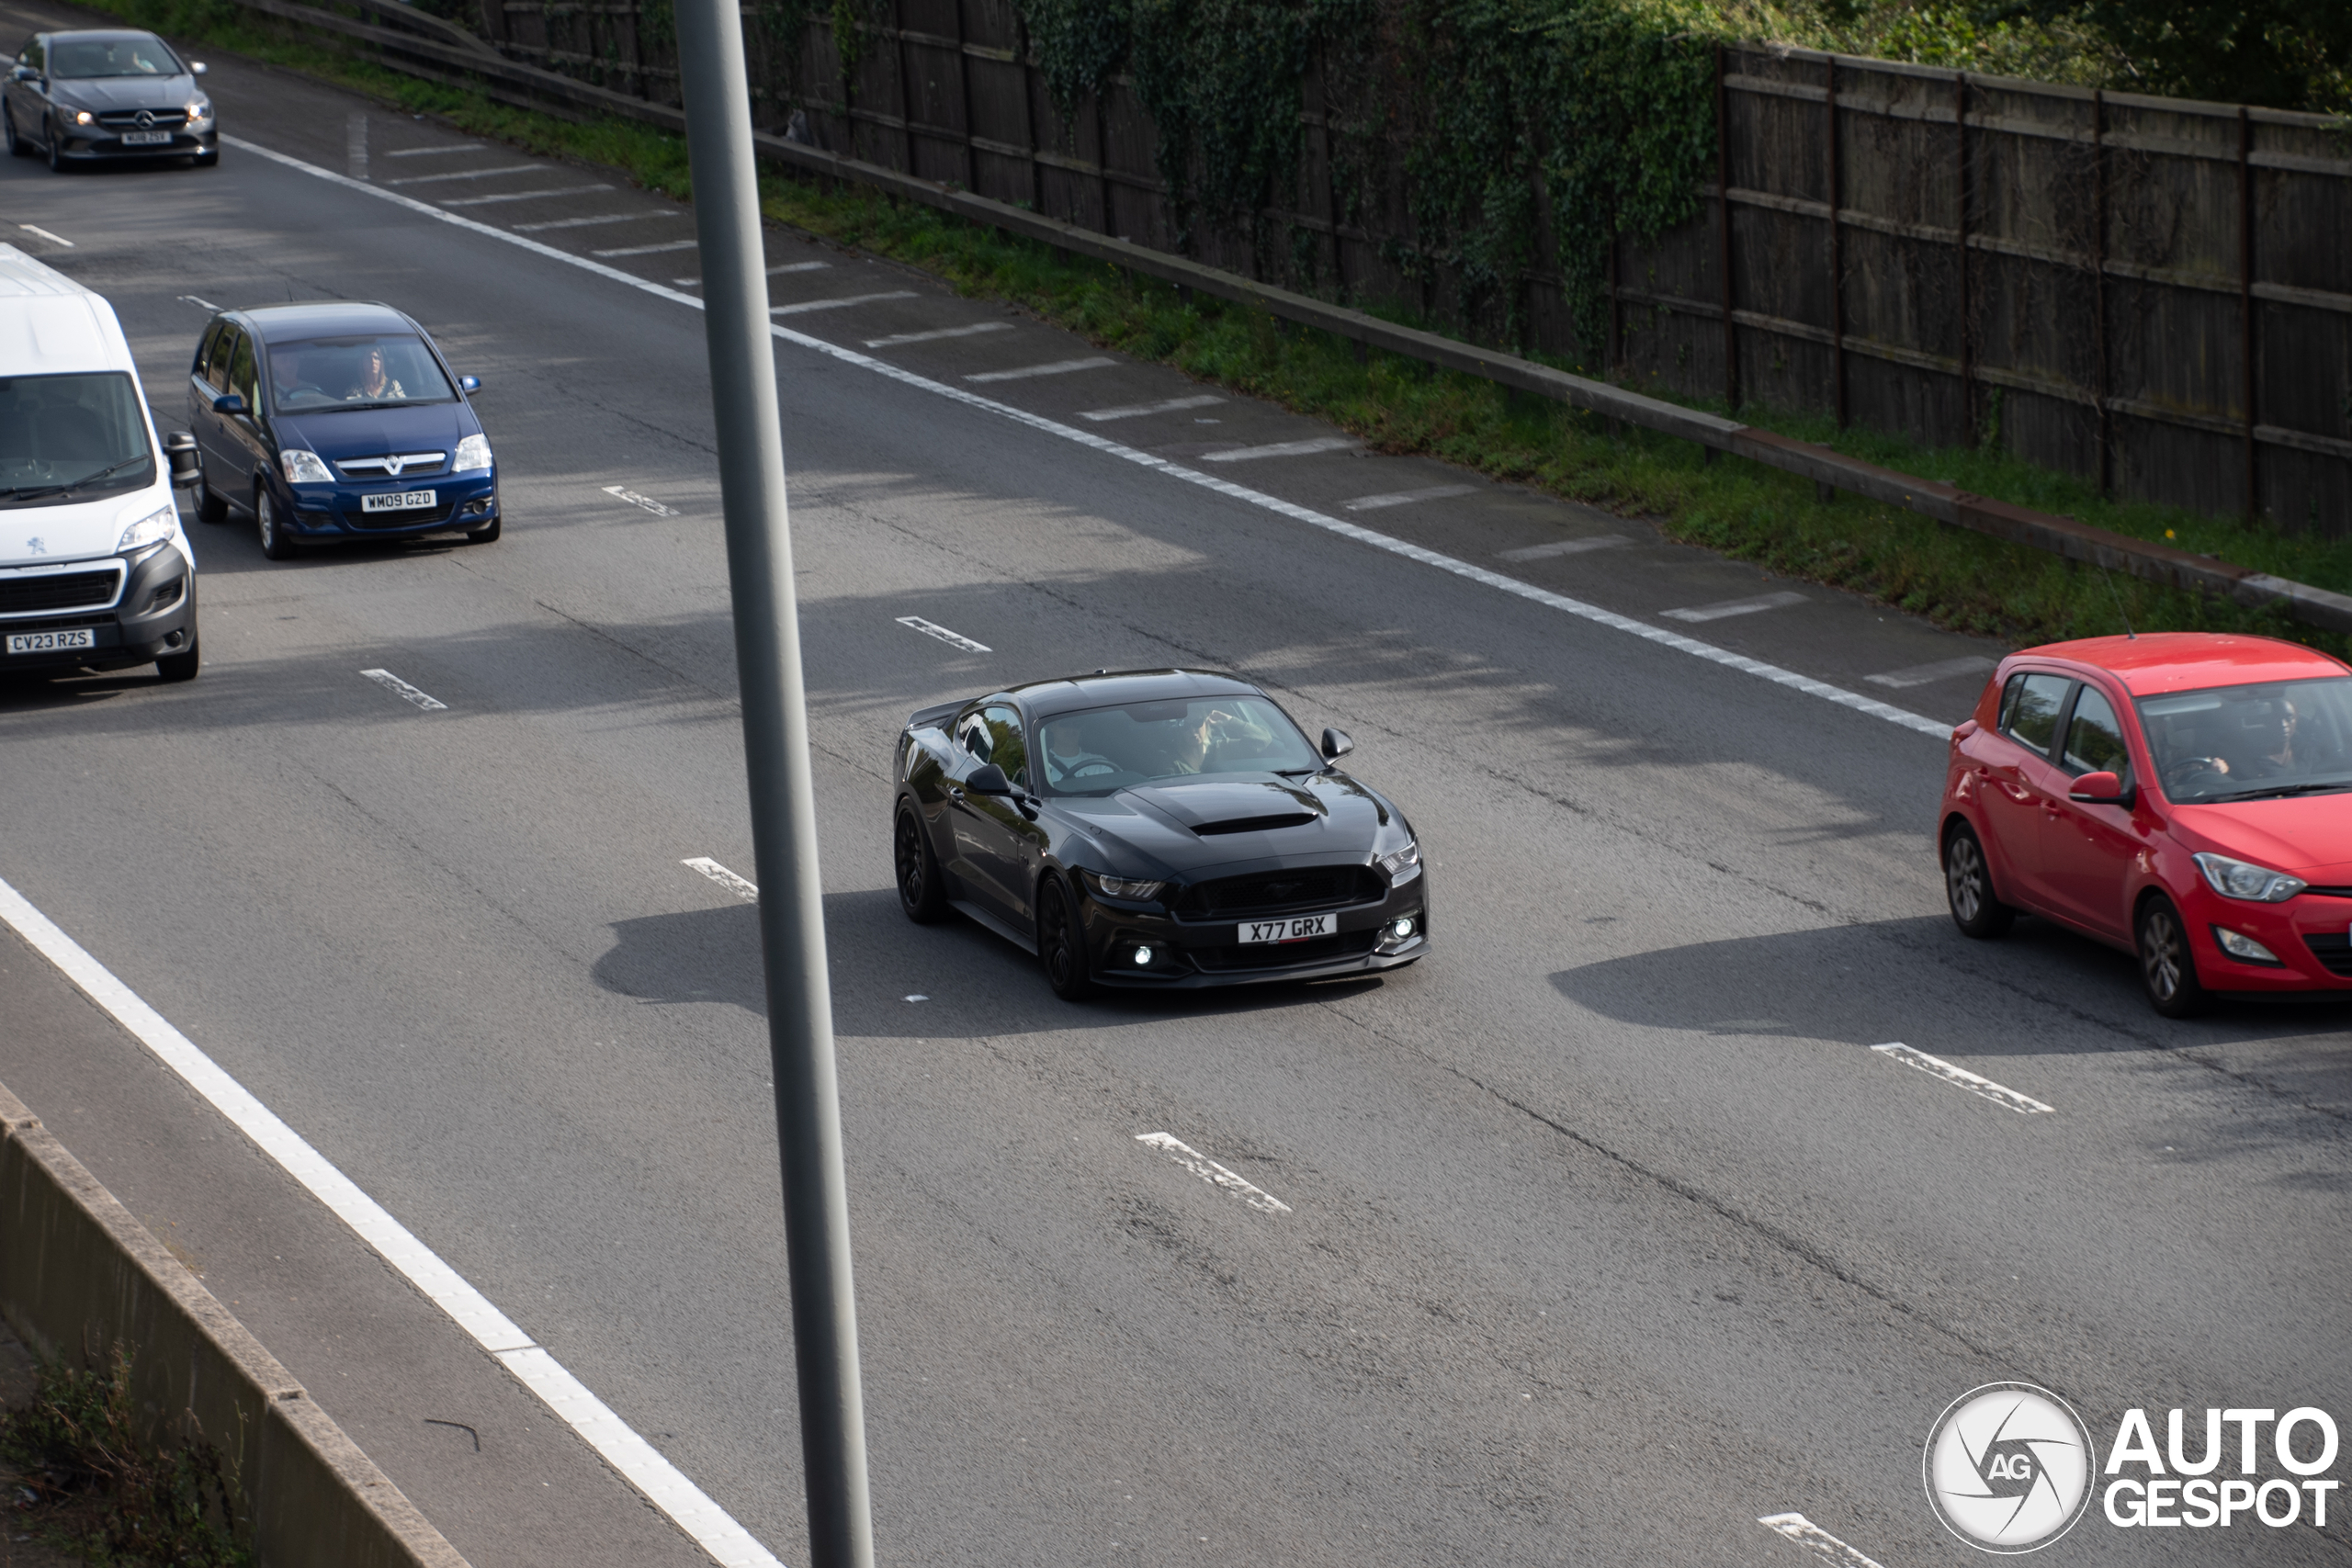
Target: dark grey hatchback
<point>103,95</point>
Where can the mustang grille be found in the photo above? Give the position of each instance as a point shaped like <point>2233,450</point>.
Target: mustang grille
<point>2333,951</point>
<point>1268,892</point>
<point>1282,954</point>
<point>66,591</point>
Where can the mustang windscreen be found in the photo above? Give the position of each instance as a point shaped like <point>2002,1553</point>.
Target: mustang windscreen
<point>355,372</point>
<point>1107,748</point>
<point>2246,742</point>
<point>70,438</point>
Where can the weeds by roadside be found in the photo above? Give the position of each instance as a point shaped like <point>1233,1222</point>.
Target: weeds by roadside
<point>1960,580</point>
<point>87,1482</point>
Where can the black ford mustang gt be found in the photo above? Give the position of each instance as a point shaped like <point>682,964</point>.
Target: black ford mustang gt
<point>1155,829</point>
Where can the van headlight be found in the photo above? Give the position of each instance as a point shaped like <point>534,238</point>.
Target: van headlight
<point>303,467</point>
<point>473,452</point>
<point>1402,865</point>
<point>2256,884</point>
<point>148,531</point>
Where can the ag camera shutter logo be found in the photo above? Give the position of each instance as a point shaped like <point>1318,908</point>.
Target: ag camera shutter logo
<point>2008,1467</point>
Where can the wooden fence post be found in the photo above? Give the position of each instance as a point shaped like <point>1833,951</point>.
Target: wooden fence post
<point>1102,148</point>
<point>1029,113</point>
<point>1967,358</point>
<point>1837,255</point>
<point>2098,289</point>
<point>906,81</point>
<point>1723,234</point>
<point>2246,296</point>
<point>964,99</point>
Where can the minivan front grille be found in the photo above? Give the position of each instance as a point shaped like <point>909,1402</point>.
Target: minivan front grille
<point>411,465</point>
<point>48,594</point>
<point>1270,892</point>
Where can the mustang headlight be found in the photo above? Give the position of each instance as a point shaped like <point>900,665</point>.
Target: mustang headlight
<point>473,452</point>
<point>148,531</point>
<point>303,467</point>
<point>2256,884</point>
<point>1403,865</point>
<point>1123,887</point>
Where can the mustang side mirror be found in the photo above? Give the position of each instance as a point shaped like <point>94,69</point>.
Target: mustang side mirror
<point>469,383</point>
<point>2100,789</point>
<point>1335,744</point>
<point>179,451</point>
<point>989,779</point>
<point>229,402</point>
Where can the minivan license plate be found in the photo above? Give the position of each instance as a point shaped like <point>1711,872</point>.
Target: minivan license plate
<point>146,138</point>
<point>52,642</point>
<point>1299,927</point>
<point>400,501</point>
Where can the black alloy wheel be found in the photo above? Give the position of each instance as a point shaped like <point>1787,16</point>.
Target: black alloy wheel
<point>919,894</point>
<point>2166,966</point>
<point>176,666</point>
<point>56,153</point>
<point>17,146</point>
<point>212,506</point>
<point>1061,942</point>
<point>1968,884</point>
<point>274,545</point>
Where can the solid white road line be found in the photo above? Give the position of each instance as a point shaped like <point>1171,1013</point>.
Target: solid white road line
<point>403,690</point>
<point>1565,547</point>
<point>592,223</point>
<point>953,640</point>
<point>841,304</point>
<point>1030,372</point>
<point>1726,608</point>
<point>1791,679</point>
<point>649,250</point>
<point>1132,411</point>
<point>1286,449</point>
<point>1216,1175</point>
<point>646,502</point>
<point>53,239</point>
<point>747,891</point>
<point>522,195</point>
<point>1812,1538</point>
<point>201,304</point>
<point>1926,674</point>
<point>662,1483</point>
<point>1407,497</point>
<point>975,330</point>
<point>436,152</point>
<point>2023,1103</point>
<point>470,174</point>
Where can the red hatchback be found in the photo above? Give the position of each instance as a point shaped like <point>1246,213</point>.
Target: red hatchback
<point>2184,797</point>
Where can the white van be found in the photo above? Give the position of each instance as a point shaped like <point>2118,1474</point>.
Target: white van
<point>94,572</point>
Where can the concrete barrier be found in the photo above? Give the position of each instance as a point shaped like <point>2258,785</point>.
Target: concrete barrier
<point>78,1275</point>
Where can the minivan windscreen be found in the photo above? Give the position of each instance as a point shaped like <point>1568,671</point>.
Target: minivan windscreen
<point>67,438</point>
<point>2251,742</point>
<point>368,370</point>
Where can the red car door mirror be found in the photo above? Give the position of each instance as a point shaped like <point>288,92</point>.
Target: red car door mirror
<point>2100,789</point>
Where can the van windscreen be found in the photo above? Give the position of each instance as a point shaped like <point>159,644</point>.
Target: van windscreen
<point>65,438</point>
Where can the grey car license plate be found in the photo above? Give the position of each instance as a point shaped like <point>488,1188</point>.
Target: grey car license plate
<point>52,642</point>
<point>146,138</point>
<point>400,501</point>
<point>1297,928</point>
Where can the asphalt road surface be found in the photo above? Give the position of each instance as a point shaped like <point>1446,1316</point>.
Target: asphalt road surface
<point>1607,1234</point>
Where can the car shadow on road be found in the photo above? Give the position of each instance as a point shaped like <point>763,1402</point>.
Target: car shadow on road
<point>975,983</point>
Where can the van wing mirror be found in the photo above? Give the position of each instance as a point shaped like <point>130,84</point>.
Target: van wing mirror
<point>179,452</point>
<point>229,402</point>
<point>1336,745</point>
<point>2102,789</point>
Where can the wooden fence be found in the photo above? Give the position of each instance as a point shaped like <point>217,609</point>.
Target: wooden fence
<point>2152,293</point>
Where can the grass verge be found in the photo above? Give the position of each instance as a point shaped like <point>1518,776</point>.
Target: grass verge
<point>1960,580</point>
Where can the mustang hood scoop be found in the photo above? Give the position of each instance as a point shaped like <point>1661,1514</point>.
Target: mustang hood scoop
<point>1235,805</point>
<point>1256,824</point>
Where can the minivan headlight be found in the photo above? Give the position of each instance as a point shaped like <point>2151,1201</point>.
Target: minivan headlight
<point>473,452</point>
<point>149,531</point>
<point>303,467</point>
<point>1402,865</point>
<point>2256,884</point>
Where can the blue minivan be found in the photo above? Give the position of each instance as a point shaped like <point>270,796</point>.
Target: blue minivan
<point>334,422</point>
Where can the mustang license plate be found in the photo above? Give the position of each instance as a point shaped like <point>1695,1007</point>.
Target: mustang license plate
<point>402,501</point>
<point>52,642</point>
<point>1299,927</point>
<point>146,138</point>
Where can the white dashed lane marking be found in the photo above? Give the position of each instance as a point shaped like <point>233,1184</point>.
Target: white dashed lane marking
<point>773,272</point>
<point>403,690</point>
<point>1812,1538</point>
<point>1286,449</point>
<point>841,304</point>
<point>1134,411</point>
<point>436,152</point>
<point>521,196</point>
<point>935,334</point>
<point>1030,372</point>
<point>470,175</point>
<point>2024,1103</point>
<point>1926,674</point>
<point>645,503</point>
<point>747,891</point>
<point>1566,547</point>
<point>1729,607</point>
<point>1407,497</point>
<point>590,222</point>
<point>1216,1175</point>
<point>649,250</point>
<point>53,239</point>
<point>953,640</point>
<point>201,304</point>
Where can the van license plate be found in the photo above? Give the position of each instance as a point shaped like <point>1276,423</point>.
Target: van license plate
<point>402,501</point>
<point>52,642</point>
<point>1299,927</point>
<point>146,138</point>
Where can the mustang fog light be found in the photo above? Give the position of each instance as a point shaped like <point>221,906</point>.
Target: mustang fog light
<point>1401,927</point>
<point>1142,955</point>
<point>2245,947</point>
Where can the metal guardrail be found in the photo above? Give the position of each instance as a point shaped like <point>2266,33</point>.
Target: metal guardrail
<point>468,63</point>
